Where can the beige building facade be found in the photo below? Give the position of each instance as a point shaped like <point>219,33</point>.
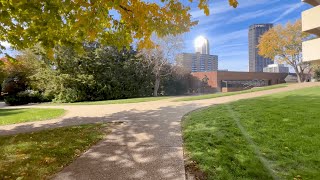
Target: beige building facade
<point>197,62</point>
<point>311,24</point>
<point>276,68</point>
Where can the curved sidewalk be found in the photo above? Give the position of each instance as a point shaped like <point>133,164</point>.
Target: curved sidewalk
<point>148,145</point>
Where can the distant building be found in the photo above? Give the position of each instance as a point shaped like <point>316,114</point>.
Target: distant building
<point>311,24</point>
<point>201,61</point>
<point>276,68</point>
<point>257,62</point>
<point>202,45</point>
<point>197,62</point>
<point>291,78</point>
<point>228,81</point>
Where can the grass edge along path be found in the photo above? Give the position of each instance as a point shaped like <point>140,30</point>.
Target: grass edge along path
<point>41,154</point>
<point>270,137</point>
<point>216,95</point>
<point>117,101</point>
<point>21,115</point>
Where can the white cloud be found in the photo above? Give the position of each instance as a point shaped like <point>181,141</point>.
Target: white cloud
<point>233,45</point>
<point>232,49</point>
<point>239,62</point>
<point>223,6</point>
<point>256,14</point>
<point>219,16</point>
<point>250,3</point>
<point>241,53</point>
<point>233,36</point>
<point>214,8</point>
<point>290,9</point>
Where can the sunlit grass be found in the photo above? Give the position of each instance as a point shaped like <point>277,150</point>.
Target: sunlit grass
<point>13,116</point>
<point>41,154</point>
<point>284,128</point>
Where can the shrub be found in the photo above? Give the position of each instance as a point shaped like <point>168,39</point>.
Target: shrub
<point>67,95</point>
<point>37,97</point>
<point>14,84</point>
<point>25,97</point>
<point>20,98</point>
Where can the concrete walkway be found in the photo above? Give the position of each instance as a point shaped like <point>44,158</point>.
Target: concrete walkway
<point>148,145</point>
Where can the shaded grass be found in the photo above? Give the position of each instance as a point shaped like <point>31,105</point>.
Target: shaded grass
<point>41,154</point>
<point>117,101</point>
<point>216,95</point>
<point>284,127</point>
<point>13,116</point>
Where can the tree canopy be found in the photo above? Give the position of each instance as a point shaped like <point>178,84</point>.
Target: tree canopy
<point>101,73</point>
<point>283,43</point>
<point>52,23</point>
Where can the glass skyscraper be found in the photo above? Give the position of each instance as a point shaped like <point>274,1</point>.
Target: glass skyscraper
<point>257,62</point>
<point>203,47</point>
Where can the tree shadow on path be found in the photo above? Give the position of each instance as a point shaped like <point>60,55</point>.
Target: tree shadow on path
<point>147,145</point>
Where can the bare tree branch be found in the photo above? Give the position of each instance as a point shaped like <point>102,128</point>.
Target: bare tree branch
<point>159,57</point>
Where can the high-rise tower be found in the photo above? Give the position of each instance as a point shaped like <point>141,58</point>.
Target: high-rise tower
<point>202,45</point>
<point>257,62</point>
<point>201,61</point>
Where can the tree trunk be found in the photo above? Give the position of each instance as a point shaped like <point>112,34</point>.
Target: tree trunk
<point>298,74</point>
<point>156,86</point>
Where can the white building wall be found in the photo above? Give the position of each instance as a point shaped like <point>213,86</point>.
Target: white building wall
<point>311,24</point>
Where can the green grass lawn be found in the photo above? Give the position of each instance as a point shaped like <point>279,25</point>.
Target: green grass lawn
<point>216,95</point>
<point>41,154</point>
<point>13,116</point>
<point>118,101</point>
<point>261,138</point>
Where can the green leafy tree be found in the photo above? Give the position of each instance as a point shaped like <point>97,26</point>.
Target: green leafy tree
<point>101,73</point>
<point>2,74</point>
<point>29,75</point>
<point>317,73</point>
<point>25,23</point>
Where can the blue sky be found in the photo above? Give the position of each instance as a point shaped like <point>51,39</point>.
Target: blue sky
<point>226,28</point>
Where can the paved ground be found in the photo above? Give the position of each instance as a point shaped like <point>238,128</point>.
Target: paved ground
<point>148,145</point>
<point>2,104</point>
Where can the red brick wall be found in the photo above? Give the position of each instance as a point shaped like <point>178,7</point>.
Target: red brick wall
<point>211,75</point>
<point>224,89</point>
<point>275,78</point>
<point>215,77</point>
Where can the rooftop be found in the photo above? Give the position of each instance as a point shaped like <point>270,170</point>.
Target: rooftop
<point>312,2</point>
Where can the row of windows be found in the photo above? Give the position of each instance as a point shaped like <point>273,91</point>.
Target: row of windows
<point>203,65</point>
<point>244,83</point>
<point>194,68</point>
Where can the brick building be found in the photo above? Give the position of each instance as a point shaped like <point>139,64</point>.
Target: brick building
<point>228,81</point>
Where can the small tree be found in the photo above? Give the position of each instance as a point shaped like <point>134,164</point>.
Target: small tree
<point>158,57</point>
<point>284,45</point>
<point>2,71</point>
<point>317,74</point>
